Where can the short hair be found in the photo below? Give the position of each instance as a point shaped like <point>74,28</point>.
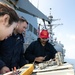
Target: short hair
<point>22,19</point>
<point>5,9</point>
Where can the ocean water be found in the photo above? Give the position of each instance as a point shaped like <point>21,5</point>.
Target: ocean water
<point>71,61</point>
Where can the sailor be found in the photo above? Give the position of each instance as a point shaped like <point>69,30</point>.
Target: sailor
<point>40,50</point>
<point>11,49</point>
<point>8,22</point>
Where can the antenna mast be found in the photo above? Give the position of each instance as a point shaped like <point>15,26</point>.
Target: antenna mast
<point>52,26</point>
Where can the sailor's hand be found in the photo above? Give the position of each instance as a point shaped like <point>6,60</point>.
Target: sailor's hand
<point>39,59</point>
<point>4,70</point>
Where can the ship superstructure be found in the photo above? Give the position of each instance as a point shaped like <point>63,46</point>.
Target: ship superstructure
<point>28,11</point>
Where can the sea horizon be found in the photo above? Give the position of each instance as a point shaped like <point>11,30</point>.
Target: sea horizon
<point>71,61</point>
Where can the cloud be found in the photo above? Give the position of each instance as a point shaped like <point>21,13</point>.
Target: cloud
<point>70,54</point>
<point>71,36</point>
<point>70,51</point>
<point>68,41</point>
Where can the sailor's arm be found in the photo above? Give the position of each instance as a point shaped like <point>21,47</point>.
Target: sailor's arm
<point>3,68</point>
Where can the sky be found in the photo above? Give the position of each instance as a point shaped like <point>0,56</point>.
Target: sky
<point>65,11</point>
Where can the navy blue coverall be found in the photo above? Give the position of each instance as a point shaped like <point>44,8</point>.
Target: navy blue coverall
<point>11,52</point>
<point>35,49</point>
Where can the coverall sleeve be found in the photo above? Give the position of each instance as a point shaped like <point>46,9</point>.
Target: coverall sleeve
<point>2,64</point>
<point>29,53</point>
